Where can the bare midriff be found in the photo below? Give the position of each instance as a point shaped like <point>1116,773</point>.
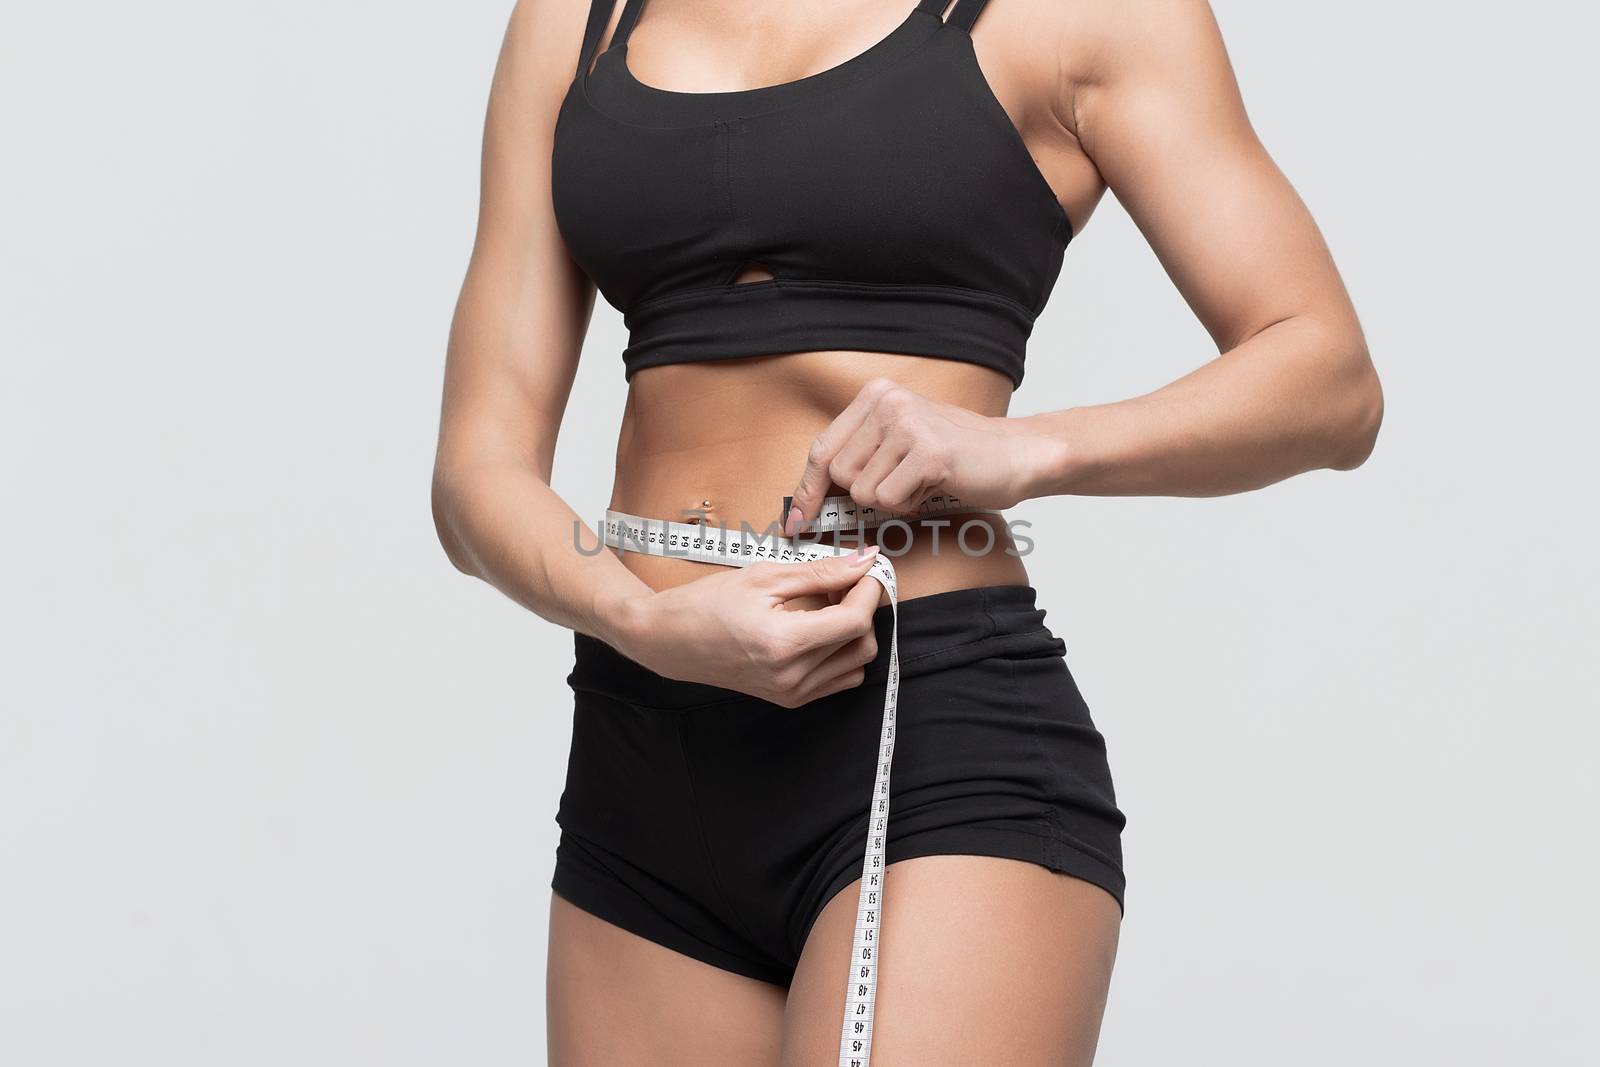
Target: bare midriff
<point>729,438</point>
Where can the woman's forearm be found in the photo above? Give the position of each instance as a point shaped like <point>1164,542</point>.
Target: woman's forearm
<point>1297,396</point>
<point>502,523</point>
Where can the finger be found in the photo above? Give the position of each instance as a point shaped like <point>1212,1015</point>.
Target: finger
<point>848,680</point>
<point>820,575</point>
<point>851,656</point>
<point>865,487</point>
<point>857,453</point>
<point>908,486</point>
<point>815,479</point>
<point>823,663</point>
<point>811,646</point>
<point>839,594</point>
<point>837,623</point>
<point>802,675</point>
<point>843,668</point>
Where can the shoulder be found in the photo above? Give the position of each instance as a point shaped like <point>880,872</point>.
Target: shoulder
<point>1102,42</point>
<point>544,37</point>
<point>1117,53</point>
<point>533,74</point>
<point>1063,50</point>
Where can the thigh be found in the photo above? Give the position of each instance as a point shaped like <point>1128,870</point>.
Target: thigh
<point>984,960</point>
<point>613,997</point>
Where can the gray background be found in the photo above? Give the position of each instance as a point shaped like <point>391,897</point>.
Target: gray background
<point>277,785</point>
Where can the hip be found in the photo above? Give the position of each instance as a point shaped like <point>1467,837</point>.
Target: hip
<point>992,729</point>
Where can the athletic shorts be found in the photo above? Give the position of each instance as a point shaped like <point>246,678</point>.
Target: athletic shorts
<point>719,825</point>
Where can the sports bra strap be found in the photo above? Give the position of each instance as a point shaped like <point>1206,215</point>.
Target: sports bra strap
<point>599,15</point>
<point>630,15</point>
<point>966,13</point>
<point>933,7</point>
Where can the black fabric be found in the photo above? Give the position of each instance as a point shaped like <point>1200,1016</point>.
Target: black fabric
<point>872,191</point>
<point>719,825</point>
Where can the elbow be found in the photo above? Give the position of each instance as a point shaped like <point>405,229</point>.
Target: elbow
<point>446,502</point>
<point>1359,412</point>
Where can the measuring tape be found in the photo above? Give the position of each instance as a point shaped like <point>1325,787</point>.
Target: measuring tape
<point>742,548</point>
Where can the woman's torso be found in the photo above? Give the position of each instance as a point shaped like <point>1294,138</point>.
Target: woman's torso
<point>890,195</point>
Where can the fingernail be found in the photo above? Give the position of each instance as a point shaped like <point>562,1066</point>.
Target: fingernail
<point>791,525</point>
<point>865,552</point>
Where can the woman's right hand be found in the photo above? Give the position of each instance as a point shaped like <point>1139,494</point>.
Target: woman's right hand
<point>733,629</point>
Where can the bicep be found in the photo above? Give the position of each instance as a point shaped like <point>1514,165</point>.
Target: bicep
<point>1163,120</point>
<point>524,305</point>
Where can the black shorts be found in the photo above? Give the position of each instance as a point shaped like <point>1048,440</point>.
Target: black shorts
<point>719,825</point>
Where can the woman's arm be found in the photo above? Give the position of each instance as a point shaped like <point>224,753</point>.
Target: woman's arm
<point>513,352</point>
<point>1155,105</point>
<point>1151,98</point>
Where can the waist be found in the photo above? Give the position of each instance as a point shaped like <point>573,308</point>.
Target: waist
<point>931,555</point>
<point>725,442</point>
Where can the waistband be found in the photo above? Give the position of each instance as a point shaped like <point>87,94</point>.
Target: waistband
<point>937,632</point>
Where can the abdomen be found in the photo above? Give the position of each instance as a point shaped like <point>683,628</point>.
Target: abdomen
<point>735,433</point>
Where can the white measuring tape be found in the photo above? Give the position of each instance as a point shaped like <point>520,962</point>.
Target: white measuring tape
<point>741,548</point>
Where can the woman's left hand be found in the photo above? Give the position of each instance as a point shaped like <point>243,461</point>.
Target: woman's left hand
<point>891,449</point>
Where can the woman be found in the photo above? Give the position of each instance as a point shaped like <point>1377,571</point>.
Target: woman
<point>830,227</point>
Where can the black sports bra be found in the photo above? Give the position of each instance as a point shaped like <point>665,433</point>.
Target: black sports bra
<point>891,197</point>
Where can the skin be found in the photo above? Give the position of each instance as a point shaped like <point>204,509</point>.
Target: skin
<point>1137,96</point>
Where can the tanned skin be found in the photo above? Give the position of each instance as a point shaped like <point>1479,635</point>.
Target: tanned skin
<point>1136,96</point>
